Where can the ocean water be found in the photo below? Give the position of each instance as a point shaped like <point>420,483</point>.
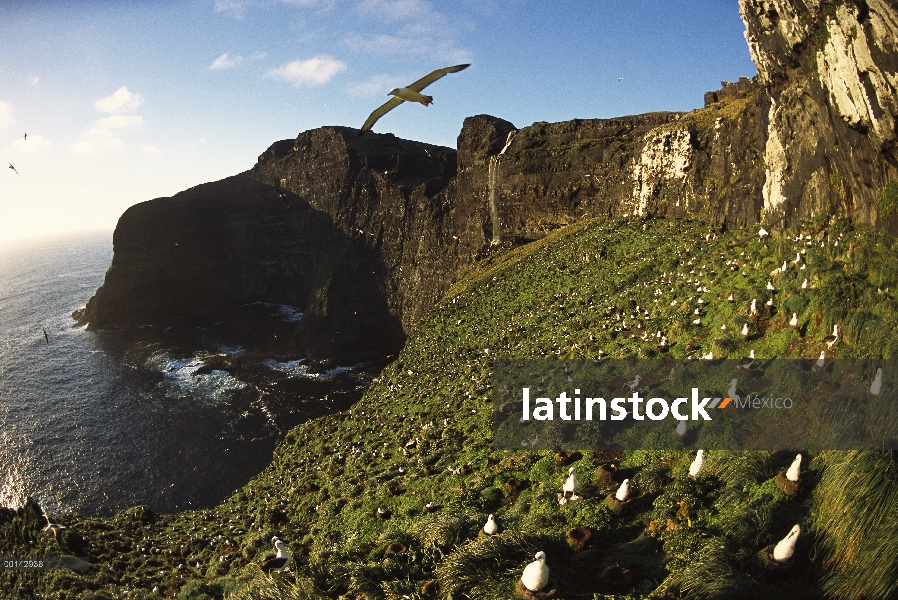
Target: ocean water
<point>94,422</point>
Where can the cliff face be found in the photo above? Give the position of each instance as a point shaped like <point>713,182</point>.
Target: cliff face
<point>377,228</point>
<point>830,74</point>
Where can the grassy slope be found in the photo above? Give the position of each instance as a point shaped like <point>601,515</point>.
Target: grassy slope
<point>430,410</point>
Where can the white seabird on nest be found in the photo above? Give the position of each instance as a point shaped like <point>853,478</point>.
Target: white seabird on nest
<point>785,548</point>
<point>623,492</point>
<point>831,339</point>
<point>569,484</point>
<point>804,284</point>
<point>410,93</point>
<point>681,428</point>
<point>536,574</point>
<point>696,465</point>
<point>822,360</point>
<point>753,311</point>
<point>279,561</point>
<point>763,233</point>
<point>794,471</point>
<point>876,386</point>
<point>490,528</point>
<point>793,322</point>
<point>732,391</point>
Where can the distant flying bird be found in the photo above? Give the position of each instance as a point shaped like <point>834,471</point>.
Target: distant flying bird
<point>411,93</point>
<point>26,136</point>
<point>620,78</point>
<point>283,197</point>
<point>46,337</point>
<point>13,168</point>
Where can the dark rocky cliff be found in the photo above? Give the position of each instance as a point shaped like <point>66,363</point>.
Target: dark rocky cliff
<point>378,228</point>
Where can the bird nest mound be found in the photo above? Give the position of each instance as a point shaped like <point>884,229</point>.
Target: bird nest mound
<point>775,569</point>
<point>515,486</point>
<point>396,548</point>
<point>550,591</point>
<point>578,537</point>
<point>605,476</point>
<point>617,507</point>
<point>789,488</point>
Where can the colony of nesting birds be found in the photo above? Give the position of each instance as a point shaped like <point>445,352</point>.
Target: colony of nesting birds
<point>404,495</point>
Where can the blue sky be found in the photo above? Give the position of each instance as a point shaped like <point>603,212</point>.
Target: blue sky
<point>128,101</point>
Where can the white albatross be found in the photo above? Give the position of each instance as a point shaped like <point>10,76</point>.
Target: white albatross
<point>536,574</point>
<point>410,93</point>
<point>570,484</point>
<point>785,548</point>
<point>623,492</point>
<point>794,471</point>
<point>876,386</point>
<point>681,428</point>
<point>696,465</point>
<point>490,528</point>
<point>279,561</point>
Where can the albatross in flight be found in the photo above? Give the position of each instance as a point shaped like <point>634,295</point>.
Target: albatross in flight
<point>412,93</point>
<point>13,168</point>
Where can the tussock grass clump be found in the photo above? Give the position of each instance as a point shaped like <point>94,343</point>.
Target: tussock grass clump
<point>856,514</point>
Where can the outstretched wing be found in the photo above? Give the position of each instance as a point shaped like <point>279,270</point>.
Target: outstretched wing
<point>381,111</point>
<point>434,75</point>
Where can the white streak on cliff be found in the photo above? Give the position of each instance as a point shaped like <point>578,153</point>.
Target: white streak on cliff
<point>664,162</point>
<point>492,184</point>
<point>776,164</point>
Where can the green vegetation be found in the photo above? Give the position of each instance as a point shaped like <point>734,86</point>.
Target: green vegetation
<point>422,433</point>
<point>889,204</point>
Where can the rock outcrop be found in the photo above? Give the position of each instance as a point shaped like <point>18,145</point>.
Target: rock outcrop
<point>829,73</point>
<point>378,228</point>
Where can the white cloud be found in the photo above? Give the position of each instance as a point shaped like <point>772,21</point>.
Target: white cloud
<point>34,144</point>
<point>236,8</point>
<point>120,101</point>
<point>102,128</point>
<point>225,62</point>
<point>260,55</point>
<point>151,149</point>
<point>34,79</point>
<point>315,71</point>
<point>96,146</point>
<point>374,86</point>
<point>409,45</point>
<point>420,31</point>
<point>6,119</point>
<point>395,10</point>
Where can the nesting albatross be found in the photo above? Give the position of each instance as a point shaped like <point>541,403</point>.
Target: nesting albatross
<point>279,561</point>
<point>411,93</point>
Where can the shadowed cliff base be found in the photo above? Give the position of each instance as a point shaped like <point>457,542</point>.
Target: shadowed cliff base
<point>234,242</point>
